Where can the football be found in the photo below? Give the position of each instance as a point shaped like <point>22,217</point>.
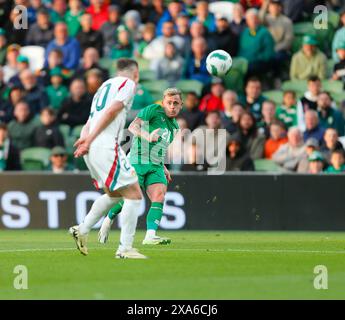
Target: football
<point>218,63</point>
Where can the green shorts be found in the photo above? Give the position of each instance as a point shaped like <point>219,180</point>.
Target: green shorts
<point>150,174</point>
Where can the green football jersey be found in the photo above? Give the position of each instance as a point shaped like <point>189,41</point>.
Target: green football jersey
<point>144,152</point>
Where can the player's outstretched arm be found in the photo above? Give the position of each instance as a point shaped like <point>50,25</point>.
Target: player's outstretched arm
<point>83,144</point>
<point>136,128</point>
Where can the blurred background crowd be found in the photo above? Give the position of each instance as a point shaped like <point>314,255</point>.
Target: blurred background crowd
<point>282,104</point>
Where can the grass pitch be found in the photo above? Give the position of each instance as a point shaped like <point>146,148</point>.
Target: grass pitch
<point>197,265</point>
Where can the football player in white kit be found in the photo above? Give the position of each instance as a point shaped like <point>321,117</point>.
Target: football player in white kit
<point>107,162</point>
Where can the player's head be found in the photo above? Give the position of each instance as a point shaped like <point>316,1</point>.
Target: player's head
<point>172,102</point>
<point>128,68</point>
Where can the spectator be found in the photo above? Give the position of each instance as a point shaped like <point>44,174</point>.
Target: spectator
<point>289,154</point>
<point>310,146</point>
<point>3,86</point>
<point>247,4</point>
<point>294,9</point>
<point>149,32</point>
<point>183,26</point>
<point>145,8</point>
<point>55,58</point>
<point>14,34</point>
<point>316,163</point>
<point>133,24</point>
<point>108,29</point>
<point>72,17</point>
<point>22,128</point>
<point>22,64</point>
<point>231,121</point>
<point>276,139</point>
<point>58,11</point>
<point>330,143</point>
<point>313,128</point>
<point>58,161</point>
<point>308,61</point>
<point>268,116</point>
<point>229,100</point>
<point>35,95</point>
<point>191,113</point>
<point>339,36</point>
<point>204,16</point>
<point>91,61</point>
<point>11,67</point>
<point>329,116</point>
<point>238,159</point>
<point>93,81</point>
<point>124,45</point>
<point>99,12</point>
<point>193,163</point>
<point>9,155</point>
<point>75,110</point>
<point>57,91</point>
<point>309,99</point>
<point>337,162</point>
<point>238,23</point>
<point>42,32</point>
<point>170,67</point>
<point>15,94</point>
<point>171,14</point>
<point>253,99</point>
<point>287,112</point>
<point>196,63</point>
<point>210,140</point>
<point>213,100</point>
<point>158,10</point>
<point>339,68</point>
<point>48,135</point>
<point>252,140</point>
<point>223,37</point>
<point>3,46</point>
<point>256,45</point>
<point>69,47</point>
<point>87,37</point>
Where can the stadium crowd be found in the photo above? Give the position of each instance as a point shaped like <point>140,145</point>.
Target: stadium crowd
<point>282,102</point>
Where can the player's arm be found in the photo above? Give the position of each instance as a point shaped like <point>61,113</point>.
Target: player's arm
<point>137,129</point>
<point>108,116</point>
<point>167,174</point>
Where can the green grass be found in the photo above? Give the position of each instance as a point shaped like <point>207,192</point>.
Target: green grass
<point>198,265</point>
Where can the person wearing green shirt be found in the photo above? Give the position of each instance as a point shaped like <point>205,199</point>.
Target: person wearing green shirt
<point>72,17</point>
<point>337,162</point>
<point>287,112</point>
<point>56,92</point>
<point>154,129</point>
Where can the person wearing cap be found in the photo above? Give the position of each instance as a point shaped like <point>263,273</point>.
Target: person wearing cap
<point>289,154</point>
<point>3,46</point>
<point>22,64</point>
<point>108,29</point>
<point>339,67</point>
<point>223,37</point>
<point>11,67</point>
<point>337,162</point>
<point>59,161</point>
<point>256,45</point>
<point>310,146</point>
<point>9,155</point>
<point>47,134</point>
<point>41,32</point>
<point>237,158</point>
<point>99,12</point>
<point>72,17</point>
<point>57,92</point>
<point>330,143</point>
<point>316,163</point>
<point>213,100</point>
<point>308,61</point>
<point>339,36</point>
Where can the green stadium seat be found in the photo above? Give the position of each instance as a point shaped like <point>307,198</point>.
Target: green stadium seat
<point>144,64</point>
<point>333,86</point>
<point>80,164</point>
<point>302,28</point>
<point>147,75</point>
<point>274,95</point>
<point>333,18</point>
<point>265,165</point>
<point>296,43</point>
<point>65,130</point>
<point>330,67</point>
<point>299,86</point>
<point>338,97</point>
<point>190,85</point>
<point>109,64</point>
<point>156,86</point>
<point>35,158</point>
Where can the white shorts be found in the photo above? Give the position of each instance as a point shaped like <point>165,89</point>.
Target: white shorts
<point>110,168</point>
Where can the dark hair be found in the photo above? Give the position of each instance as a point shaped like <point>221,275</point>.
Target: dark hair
<point>56,50</point>
<point>215,112</point>
<point>313,78</point>
<point>338,151</point>
<point>289,92</point>
<point>3,126</point>
<point>253,130</point>
<point>279,123</point>
<point>327,93</point>
<point>126,63</point>
<point>192,93</point>
<point>253,79</point>
<point>50,111</point>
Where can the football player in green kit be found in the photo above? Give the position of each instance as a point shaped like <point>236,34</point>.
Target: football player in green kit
<point>154,129</point>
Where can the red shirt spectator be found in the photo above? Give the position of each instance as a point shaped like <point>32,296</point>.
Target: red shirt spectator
<point>99,12</point>
<point>213,101</point>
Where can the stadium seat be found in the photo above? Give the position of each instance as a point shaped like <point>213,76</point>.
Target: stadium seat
<point>234,80</point>
<point>147,75</point>
<point>299,86</point>
<point>190,85</point>
<point>333,86</point>
<point>338,97</point>
<point>76,131</point>
<point>35,55</point>
<point>144,64</point>
<point>80,164</point>
<point>156,86</point>
<point>274,95</point>
<point>222,7</point>
<point>333,18</point>
<point>109,64</point>
<point>265,165</point>
<point>296,43</point>
<point>330,67</point>
<point>302,28</point>
<point>35,158</point>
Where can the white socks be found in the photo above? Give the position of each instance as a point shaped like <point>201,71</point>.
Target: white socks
<point>129,213</point>
<point>99,208</point>
<point>150,234</point>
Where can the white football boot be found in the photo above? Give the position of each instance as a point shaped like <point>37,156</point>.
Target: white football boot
<point>80,240</point>
<point>156,240</point>
<point>129,254</point>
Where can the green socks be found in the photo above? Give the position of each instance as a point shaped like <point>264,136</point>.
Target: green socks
<point>115,210</point>
<point>154,216</point>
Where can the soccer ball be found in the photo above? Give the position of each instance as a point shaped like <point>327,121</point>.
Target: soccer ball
<point>218,63</point>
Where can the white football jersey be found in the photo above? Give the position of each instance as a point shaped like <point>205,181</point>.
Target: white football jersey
<point>115,89</point>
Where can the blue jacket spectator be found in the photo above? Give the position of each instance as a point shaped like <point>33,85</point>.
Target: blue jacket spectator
<point>170,14</point>
<point>313,127</point>
<point>69,47</point>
